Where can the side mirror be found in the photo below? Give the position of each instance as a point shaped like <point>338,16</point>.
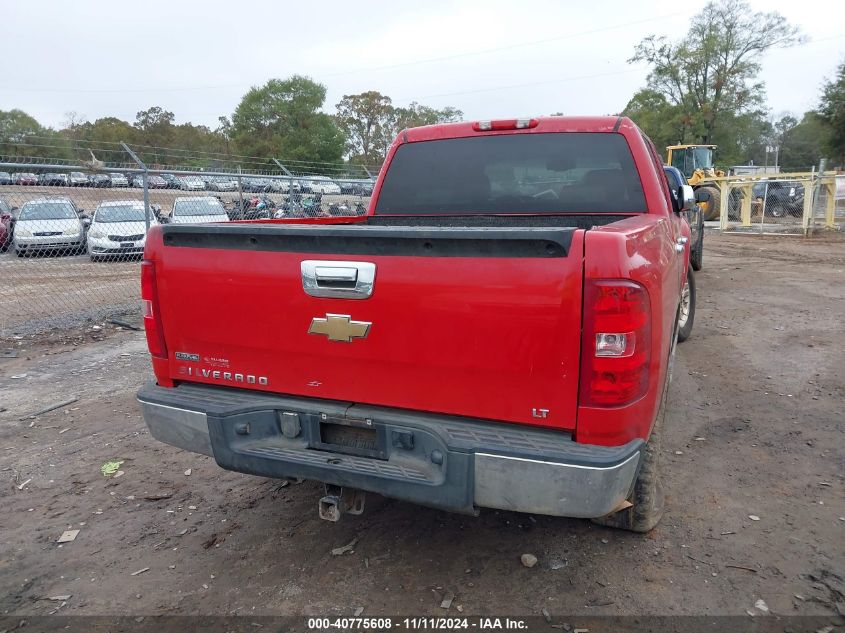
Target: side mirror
<point>686,198</point>
<point>86,221</point>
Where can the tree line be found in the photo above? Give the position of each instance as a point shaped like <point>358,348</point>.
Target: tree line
<point>283,119</point>
<point>703,88</point>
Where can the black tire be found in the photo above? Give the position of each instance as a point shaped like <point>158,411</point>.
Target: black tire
<point>20,253</point>
<point>686,313</point>
<point>696,256</point>
<point>647,498</point>
<point>778,210</point>
<point>714,202</point>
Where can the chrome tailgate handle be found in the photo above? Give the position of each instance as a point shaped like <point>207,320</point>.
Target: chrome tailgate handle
<point>336,274</point>
<point>337,279</point>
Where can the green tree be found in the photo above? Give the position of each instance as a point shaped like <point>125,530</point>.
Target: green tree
<point>367,121</point>
<point>18,132</point>
<point>664,122</point>
<point>832,113</point>
<point>104,136</point>
<point>415,115</point>
<point>711,73</point>
<point>283,119</point>
<point>802,143</point>
<point>371,122</point>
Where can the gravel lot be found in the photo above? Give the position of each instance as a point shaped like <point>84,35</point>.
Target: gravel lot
<point>755,428</point>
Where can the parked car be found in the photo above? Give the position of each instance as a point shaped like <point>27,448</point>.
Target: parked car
<point>118,180</point>
<point>783,197</point>
<point>192,183</point>
<point>153,181</point>
<point>6,225</point>
<point>171,181</point>
<point>194,210</point>
<point>77,179</point>
<point>221,183</point>
<point>53,179</point>
<point>25,178</point>
<point>5,178</point>
<point>99,180</point>
<point>254,185</point>
<point>118,229</point>
<point>324,185</point>
<point>356,186</point>
<point>469,344</point>
<point>49,224</point>
<point>694,217</point>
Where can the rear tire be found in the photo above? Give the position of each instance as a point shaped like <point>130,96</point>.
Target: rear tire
<point>686,311</point>
<point>714,203</point>
<point>696,256</point>
<point>647,498</point>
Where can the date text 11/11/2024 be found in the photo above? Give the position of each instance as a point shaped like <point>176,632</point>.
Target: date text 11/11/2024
<point>418,623</point>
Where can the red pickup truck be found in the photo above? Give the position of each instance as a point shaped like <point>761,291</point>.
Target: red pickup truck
<point>496,332</point>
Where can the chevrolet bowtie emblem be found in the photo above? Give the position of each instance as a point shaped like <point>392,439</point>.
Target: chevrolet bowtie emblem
<point>339,327</point>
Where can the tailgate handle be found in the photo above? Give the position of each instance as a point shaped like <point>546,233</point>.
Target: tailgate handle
<point>338,279</point>
<point>335,275</point>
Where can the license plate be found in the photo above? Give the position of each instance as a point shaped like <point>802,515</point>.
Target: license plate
<point>339,435</point>
<point>352,437</point>
<point>127,244</point>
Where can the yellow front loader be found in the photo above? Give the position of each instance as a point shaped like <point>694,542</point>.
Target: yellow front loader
<point>696,163</point>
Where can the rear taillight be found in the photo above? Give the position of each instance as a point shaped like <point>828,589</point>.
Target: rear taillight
<point>616,343</point>
<point>152,313</point>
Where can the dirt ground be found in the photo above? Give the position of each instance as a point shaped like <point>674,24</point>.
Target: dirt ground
<point>755,430</point>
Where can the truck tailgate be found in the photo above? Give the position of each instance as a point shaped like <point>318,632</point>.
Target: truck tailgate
<point>477,322</point>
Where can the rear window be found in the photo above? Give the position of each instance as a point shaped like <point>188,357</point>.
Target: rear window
<point>515,173</point>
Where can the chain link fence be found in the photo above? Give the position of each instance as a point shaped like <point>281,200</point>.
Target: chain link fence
<point>72,235</point>
<point>786,203</point>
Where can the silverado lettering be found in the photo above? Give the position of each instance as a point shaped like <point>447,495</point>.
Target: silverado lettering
<point>526,278</point>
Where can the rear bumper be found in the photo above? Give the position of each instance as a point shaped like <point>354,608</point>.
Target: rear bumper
<point>458,464</point>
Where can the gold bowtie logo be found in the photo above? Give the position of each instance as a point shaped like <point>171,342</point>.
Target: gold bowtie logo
<point>339,327</point>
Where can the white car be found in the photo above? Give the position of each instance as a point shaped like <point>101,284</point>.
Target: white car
<point>192,183</point>
<point>118,229</point>
<point>48,224</point>
<point>324,185</point>
<point>195,210</point>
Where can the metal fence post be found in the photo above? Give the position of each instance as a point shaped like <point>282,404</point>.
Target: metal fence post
<point>288,174</point>
<point>240,195</point>
<point>144,180</point>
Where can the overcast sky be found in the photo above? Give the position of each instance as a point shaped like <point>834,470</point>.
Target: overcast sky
<point>489,58</point>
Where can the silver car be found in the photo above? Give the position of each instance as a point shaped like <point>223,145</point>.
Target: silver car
<point>118,180</point>
<point>118,229</point>
<point>195,210</point>
<point>192,183</point>
<point>49,224</point>
<point>221,183</point>
<point>78,179</point>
